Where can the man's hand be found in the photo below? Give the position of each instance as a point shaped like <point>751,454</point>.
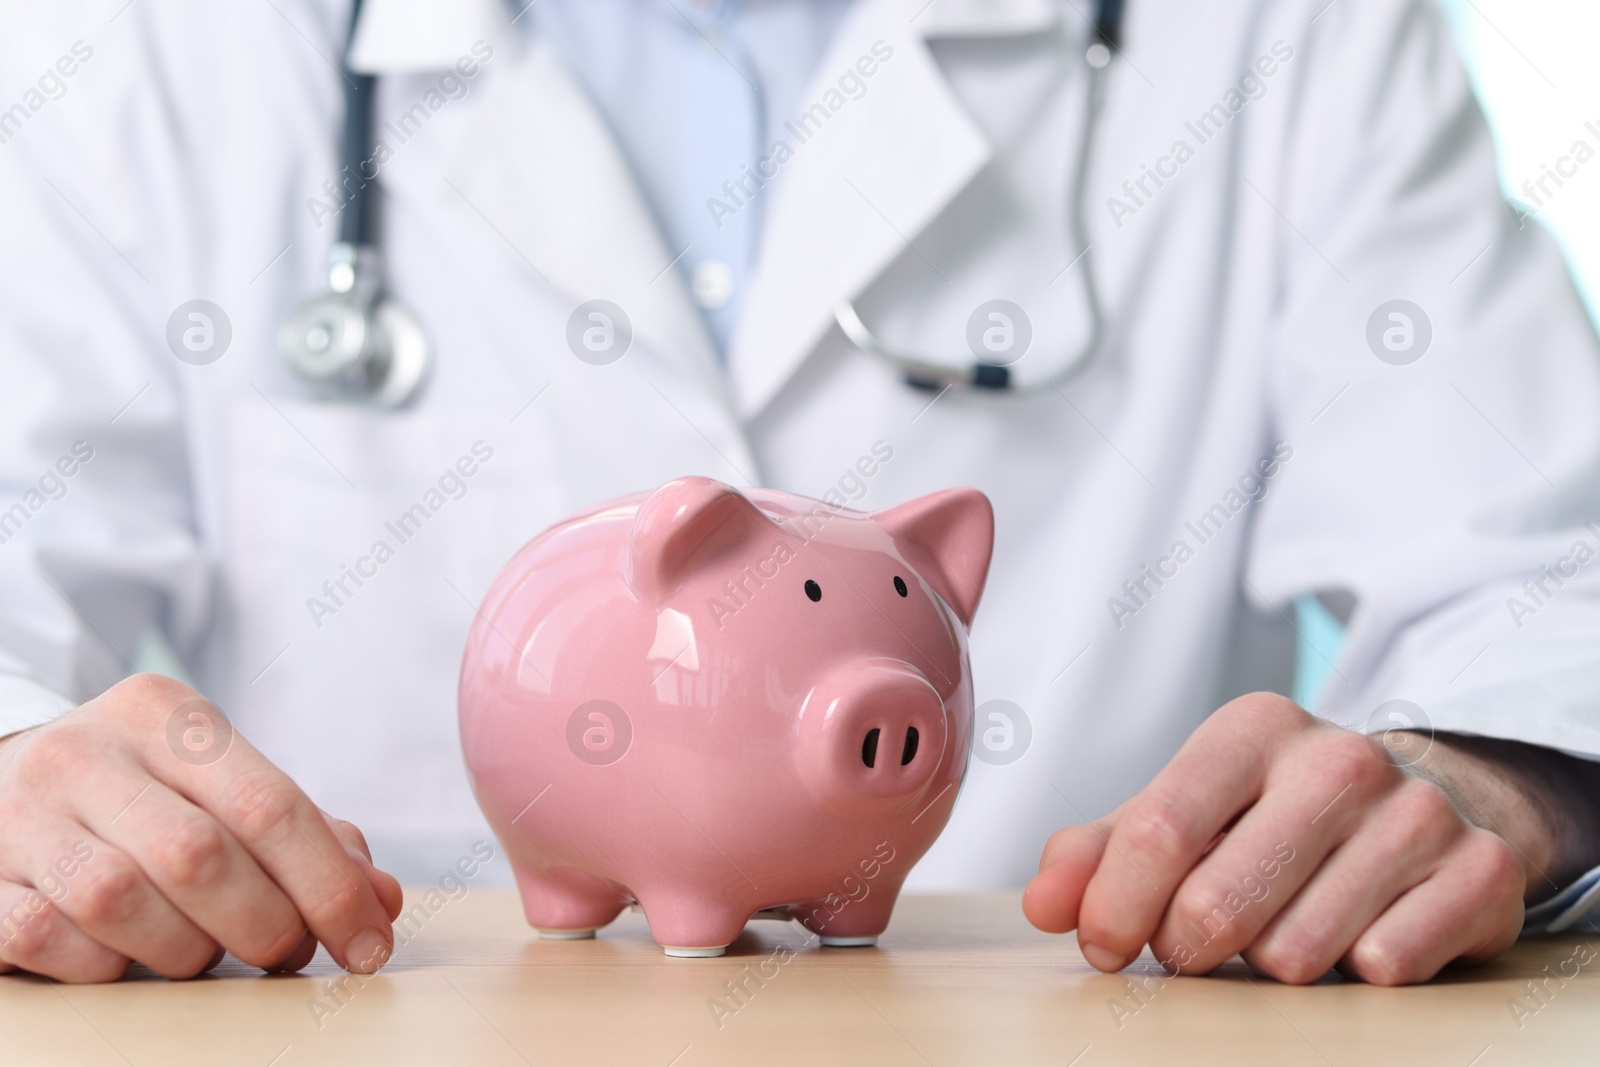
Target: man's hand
<point>1303,846</point>
<point>118,843</point>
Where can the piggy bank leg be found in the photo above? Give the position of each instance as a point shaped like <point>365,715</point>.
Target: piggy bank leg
<point>685,923</point>
<point>844,923</point>
<point>564,903</point>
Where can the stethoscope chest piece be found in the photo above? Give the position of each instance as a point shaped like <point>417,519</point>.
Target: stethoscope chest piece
<point>352,344</point>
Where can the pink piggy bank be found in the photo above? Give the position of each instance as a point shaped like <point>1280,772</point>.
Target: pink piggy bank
<point>713,703</point>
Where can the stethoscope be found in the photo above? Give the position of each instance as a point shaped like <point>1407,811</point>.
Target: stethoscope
<point>992,370</point>
<point>355,343</point>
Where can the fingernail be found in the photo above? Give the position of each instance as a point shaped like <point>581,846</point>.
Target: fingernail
<point>366,952</point>
<point>1102,959</point>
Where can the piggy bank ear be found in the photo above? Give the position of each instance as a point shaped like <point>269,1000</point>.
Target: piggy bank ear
<point>684,526</point>
<point>948,536</point>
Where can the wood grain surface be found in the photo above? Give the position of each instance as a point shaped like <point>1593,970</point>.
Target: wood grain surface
<point>956,980</point>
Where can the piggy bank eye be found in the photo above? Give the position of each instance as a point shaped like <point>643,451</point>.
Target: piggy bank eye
<point>813,590</point>
<point>899,585</point>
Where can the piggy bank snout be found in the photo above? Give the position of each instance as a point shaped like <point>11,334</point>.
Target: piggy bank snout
<point>872,736</point>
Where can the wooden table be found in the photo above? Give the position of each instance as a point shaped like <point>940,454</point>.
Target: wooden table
<point>956,980</point>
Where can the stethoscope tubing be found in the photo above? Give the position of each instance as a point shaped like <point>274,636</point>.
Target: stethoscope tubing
<point>386,353</point>
<point>981,376</point>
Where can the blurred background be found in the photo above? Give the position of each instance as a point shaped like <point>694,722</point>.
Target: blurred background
<point>1534,68</point>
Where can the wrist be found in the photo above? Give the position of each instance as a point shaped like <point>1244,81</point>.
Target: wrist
<point>1534,798</point>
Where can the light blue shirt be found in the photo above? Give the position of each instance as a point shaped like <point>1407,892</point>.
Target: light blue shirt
<point>693,90</point>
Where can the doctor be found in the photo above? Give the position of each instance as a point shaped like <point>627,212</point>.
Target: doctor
<point>1271,336</point>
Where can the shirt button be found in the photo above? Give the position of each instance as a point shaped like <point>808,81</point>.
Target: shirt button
<point>712,284</point>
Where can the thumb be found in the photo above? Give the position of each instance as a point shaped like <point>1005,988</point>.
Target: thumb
<point>1070,859</point>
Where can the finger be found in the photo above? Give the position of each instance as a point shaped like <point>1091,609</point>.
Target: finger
<point>297,959</point>
<point>390,895</point>
<point>1403,843</point>
<point>1470,910</point>
<point>108,896</point>
<point>1052,899</point>
<point>355,846</point>
<point>35,936</point>
<point>349,834</point>
<point>286,835</point>
<point>197,865</point>
<point>1317,795</point>
<point>1161,832</point>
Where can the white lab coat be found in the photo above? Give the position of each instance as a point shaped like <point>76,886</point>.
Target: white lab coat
<point>179,162</point>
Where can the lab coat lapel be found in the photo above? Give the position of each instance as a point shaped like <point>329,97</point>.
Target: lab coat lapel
<point>534,161</point>
<point>864,182</point>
